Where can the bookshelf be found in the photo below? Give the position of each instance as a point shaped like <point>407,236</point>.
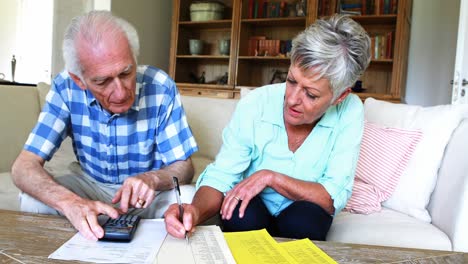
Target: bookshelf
<point>269,29</point>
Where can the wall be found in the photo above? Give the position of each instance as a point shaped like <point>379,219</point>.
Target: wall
<point>24,23</point>
<point>8,33</point>
<point>432,52</point>
<point>64,11</point>
<point>152,19</point>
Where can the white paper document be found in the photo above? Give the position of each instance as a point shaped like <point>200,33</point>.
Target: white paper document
<point>143,248</point>
<point>207,245</point>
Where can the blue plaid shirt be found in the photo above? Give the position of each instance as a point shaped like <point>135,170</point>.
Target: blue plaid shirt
<point>152,134</point>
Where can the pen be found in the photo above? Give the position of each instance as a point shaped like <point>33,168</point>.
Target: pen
<point>181,209</point>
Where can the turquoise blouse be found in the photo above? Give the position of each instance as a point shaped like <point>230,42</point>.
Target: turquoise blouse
<point>256,139</point>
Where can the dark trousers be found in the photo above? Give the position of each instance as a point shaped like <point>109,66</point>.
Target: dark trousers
<point>299,220</point>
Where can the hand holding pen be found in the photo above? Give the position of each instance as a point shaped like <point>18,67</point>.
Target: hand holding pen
<point>179,202</point>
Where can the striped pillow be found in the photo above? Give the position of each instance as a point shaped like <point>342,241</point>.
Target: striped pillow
<point>385,153</point>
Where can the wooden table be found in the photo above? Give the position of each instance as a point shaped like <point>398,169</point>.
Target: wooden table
<point>31,238</point>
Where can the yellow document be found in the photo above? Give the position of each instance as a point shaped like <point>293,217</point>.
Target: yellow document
<point>256,247</point>
<point>304,251</point>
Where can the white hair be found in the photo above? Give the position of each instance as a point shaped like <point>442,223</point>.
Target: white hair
<point>92,27</point>
<point>337,48</point>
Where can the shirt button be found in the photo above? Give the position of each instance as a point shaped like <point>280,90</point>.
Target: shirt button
<point>112,167</point>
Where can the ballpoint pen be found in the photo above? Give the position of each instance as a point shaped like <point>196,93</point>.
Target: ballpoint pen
<point>179,202</point>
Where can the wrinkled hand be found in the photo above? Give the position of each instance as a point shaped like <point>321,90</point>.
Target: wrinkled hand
<point>138,192</point>
<point>83,215</point>
<point>174,226</point>
<point>244,192</point>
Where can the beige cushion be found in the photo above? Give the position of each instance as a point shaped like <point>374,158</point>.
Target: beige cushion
<point>43,89</point>
<point>387,228</point>
<point>60,162</point>
<point>8,193</point>
<point>207,117</point>
<point>18,114</point>
<point>199,164</point>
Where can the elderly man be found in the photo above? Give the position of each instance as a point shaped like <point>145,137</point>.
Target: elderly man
<point>129,131</point>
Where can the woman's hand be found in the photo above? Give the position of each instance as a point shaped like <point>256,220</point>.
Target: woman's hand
<point>174,226</point>
<point>244,192</point>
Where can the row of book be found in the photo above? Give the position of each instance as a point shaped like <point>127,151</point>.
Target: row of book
<point>270,9</point>
<point>260,46</point>
<point>379,7</point>
<point>358,7</point>
<point>382,46</point>
<point>368,7</point>
<point>325,8</point>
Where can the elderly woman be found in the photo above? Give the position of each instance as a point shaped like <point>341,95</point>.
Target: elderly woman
<point>290,150</point>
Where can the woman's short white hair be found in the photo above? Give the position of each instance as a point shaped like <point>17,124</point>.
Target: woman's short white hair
<point>93,26</point>
<point>336,48</point>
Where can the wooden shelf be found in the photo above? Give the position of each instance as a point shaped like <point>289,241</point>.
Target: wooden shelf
<point>209,57</point>
<point>375,19</point>
<point>208,90</point>
<point>384,97</point>
<point>382,61</point>
<point>226,23</point>
<point>384,79</point>
<point>275,22</point>
<point>264,58</point>
<point>205,86</point>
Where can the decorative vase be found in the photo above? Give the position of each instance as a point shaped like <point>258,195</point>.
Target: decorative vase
<point>224,46</point>
<point>196,46</point>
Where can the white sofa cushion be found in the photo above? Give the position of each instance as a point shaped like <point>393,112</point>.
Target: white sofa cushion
<point>19,109</point>
<point>60,163</point>
<point>387,228</point>
<point>8,193</point>
<point>437,123</point>
<point>208,127</point>
<point>199,164</point>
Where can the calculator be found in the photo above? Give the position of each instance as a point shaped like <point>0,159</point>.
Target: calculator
<point>120,229</point>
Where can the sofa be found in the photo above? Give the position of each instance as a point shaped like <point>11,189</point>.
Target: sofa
<point>447,205</point>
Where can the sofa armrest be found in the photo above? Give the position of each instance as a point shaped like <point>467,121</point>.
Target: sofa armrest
<point>449,202</point>
<point>19,109</point>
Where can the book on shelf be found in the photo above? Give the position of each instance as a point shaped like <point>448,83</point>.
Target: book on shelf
<point>252,48</point>
<point>324,8</point>
<point>267,9</point>
<point>261,8</point>
<point>382,46</point>
<point>261,46</point>
<point>268,47</point>
<point>375,7</point>
<point>250,9</point>
<point>349,7</point>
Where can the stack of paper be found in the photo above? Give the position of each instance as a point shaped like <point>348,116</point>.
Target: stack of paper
<point>151,244</point>
<point>207,245</point>
<point>143,248</point>
<point>259,247</point>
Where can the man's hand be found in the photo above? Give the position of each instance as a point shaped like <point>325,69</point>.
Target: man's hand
<point>83,215</point>
<point>138,192</point>
<point>174,226</point>
<point>244,192</point>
